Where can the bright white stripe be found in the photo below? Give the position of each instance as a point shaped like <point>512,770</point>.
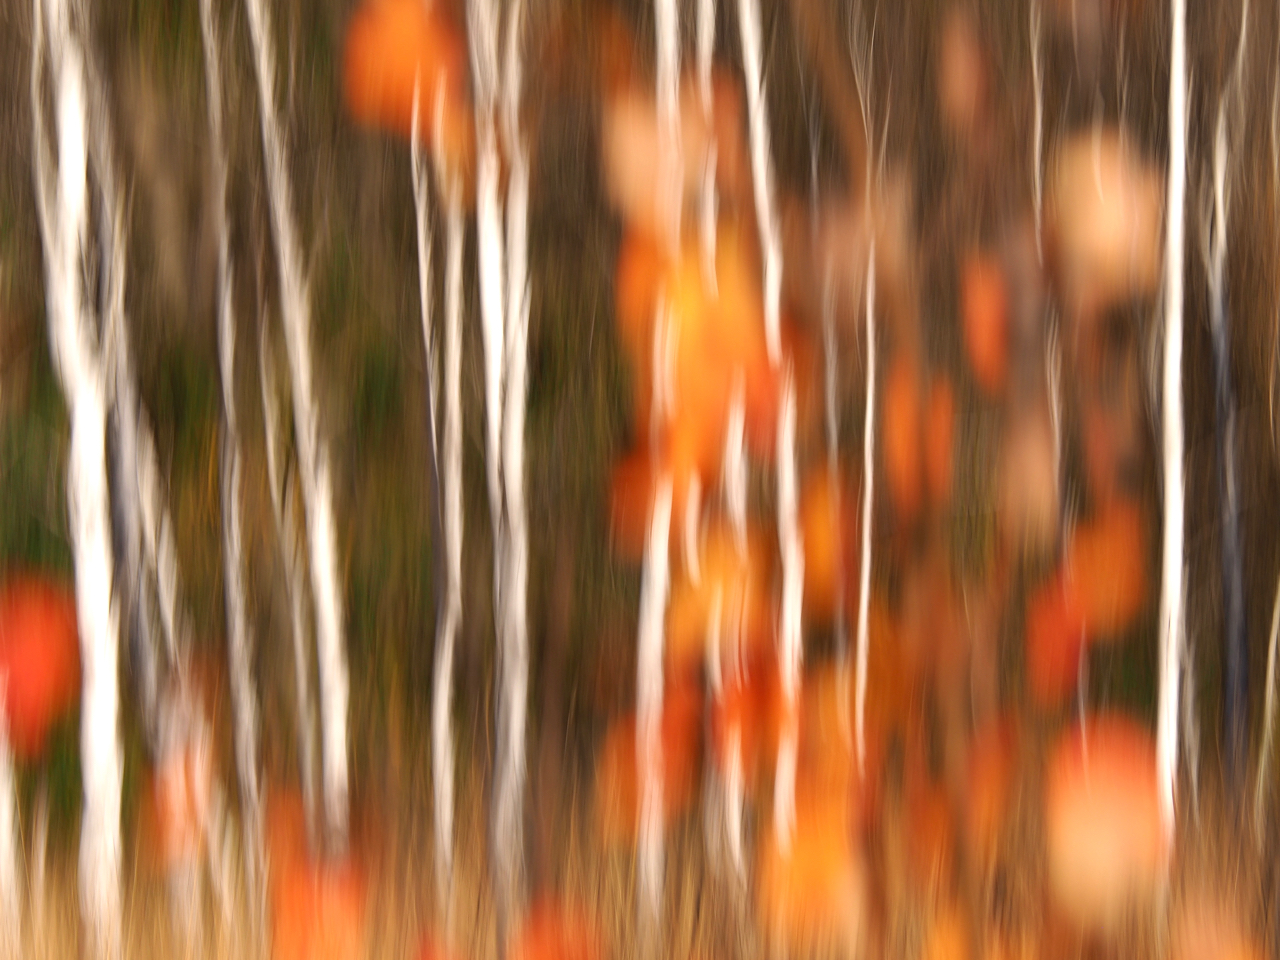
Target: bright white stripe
<point>653,606</point>
<point>453,523</point>
<point>317,492</point>
<point>243,698</point>
<point>10,892</point>
<point>284,508</point>
<point>1268,723</point>
<point>62,202</point>
<point>868,477</point>
<point>762,174</point>
<point>1037,127</point>
<point>1171,569</point>
<point>514,649</point>
<point>791,651</point>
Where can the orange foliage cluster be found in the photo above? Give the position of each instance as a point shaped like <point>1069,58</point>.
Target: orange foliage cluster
<point>39,660</point>
<point>399,49</point>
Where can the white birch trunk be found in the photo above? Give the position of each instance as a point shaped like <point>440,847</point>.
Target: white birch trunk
<point>62,200</point>
<point>317,489</point>
<point>239,641</point>
<point>284,508</point>
<point>1171,569</point>
<point>10,889</point>
<point>868,476</point>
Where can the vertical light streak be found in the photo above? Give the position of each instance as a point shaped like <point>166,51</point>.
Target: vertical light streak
<point>62,204</point>
<point>284,509</point>
<point>1037,129</point>
<point>708,213</point>
<point>482,35</point>
<point>1171,569</point>
<point>837,501</point>
<point>317,491</point>
<point>453,519</point>
<point>762,174</point>
<point>239,658</point>
<point>734,480</point>
<point>514,650</point>
<point>1268,724</point>
<point>655,576</point>
<point>10,893</point>
<point>868,477</point>
<point>790,652</point>
<point>653,605</point>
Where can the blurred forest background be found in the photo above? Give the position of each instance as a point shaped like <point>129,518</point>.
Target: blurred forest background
<point>354,204</point>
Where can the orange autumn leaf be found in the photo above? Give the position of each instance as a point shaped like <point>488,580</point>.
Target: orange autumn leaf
<point>39,659</point>
<point>939,439</point>
<point>317,907</point>
<point>931,831</point>
<point>551,932</point>
<point>318,912</point>
<point>175,812</point>
<point>948,937</point>
<point>1056,634</point>
<point>738,584</point>
<point>1107,849</point>
<point>1106,567</point>
<point>747,717</point>
<point>393,45</point>
<point>814,889</point>
<point>829,527</point>
<point>617,786</point>
<point>989,779</point>
<point>900,440</point>
<point>984,311</point>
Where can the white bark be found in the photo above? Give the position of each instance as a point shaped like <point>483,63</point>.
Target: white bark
<point>1172,574</point>
<point>649,690</point>
<point>762,173</point>
<point>317,490</point>
<point>284,507</point>
<point>10,892</point>
<point>868,477</point>
<point>791,650</point>
<point>514,650</point>
<point>239,641</point>
<point>62,202</point>
<point>1037,129</point>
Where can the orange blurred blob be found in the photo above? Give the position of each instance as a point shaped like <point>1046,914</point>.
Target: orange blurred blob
<point>617,786</point>
<point>1027,505</point>
<point>317,908</point>
<point>1106,564</point>
<point>901,438</point>
<point>632,140</point>
<point>747,717</point>
<point>739,584</point>
<point>1098,595</point>
<point>431,949</point>
<point>815,890</point>
<point>1210,928</point>
<point>829,525</point>
<point>948,937</point>
<point>1104,213</point>
<point>984,309</point>
<point>176,808</point>
<point>931,832</point>
<point>939,440</point>
<point>1108,852</point>
<point>393,45</point>
<point>550,932</point>
<point>989,780</point>
<point>39,658</point>
<point>1055,638</point>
